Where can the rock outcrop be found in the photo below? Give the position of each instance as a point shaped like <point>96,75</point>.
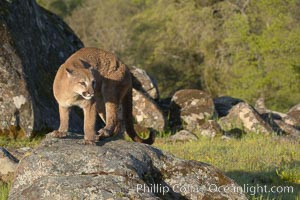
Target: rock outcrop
<point>264,111</point>
<point>66,169</point>
<point>34,42</point>
<point>190,108</point>
<point>294,113</point>
<point>260,106</point>
<point>288,130</point>
<point>291,121</point>
<point>146,112</point>
<point>270,119</point>
<point>243,116</point>
<point>282,123</point>
<point>144,83</point>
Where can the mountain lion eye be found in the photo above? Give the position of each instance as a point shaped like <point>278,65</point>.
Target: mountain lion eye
<point>82,83</point>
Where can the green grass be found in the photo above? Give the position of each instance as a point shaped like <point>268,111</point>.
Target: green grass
<point>252,160</point>
<point>4,188</point>
<point>7,142</point>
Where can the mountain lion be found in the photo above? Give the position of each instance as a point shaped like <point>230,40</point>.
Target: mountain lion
<point>97,82</point>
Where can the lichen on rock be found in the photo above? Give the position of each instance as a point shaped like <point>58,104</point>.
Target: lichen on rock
<point>190,108</point>
<point>243,116</point>
<point>34,42</point>
<point>66,169</point>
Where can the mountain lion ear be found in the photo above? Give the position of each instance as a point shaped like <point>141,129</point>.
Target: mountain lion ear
<point>85,64</point>
<point>69,72</point>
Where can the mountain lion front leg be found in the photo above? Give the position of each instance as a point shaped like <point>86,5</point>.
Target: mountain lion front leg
<point>111,120</point>
<point>64,122</point>
<point>89,112</point>
<point>111,114</point>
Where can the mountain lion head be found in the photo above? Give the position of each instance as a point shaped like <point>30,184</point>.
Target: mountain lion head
<point>82,81</point>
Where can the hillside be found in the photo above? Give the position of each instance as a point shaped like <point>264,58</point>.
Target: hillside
<point>245,49</point>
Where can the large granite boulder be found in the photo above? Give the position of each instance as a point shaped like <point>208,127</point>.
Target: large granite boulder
<point>34,42</point>
<point>146,112</point>
<point>190,108</point>
<point>144,83</point>
<point>66,169</point>
<point>243,116</point>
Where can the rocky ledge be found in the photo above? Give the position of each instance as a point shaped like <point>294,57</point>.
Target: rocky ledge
<point>67,169</point>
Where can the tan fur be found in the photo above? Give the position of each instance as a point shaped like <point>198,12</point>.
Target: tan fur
<point>107,83</point>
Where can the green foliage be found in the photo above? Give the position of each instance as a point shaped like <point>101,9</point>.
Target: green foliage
<point>244,49</point>
<point>60,7</point>
<point>103,23</point>
<point>265,54</point>
<point>165,44</point>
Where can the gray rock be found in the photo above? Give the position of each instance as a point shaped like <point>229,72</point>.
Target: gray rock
<point>263,110</point>
<point>19,153</point>
<point>144,83</point>
<point>210,128</point>
<point>66,169</point>
<point>288,129</point>
<point>291,121</point>
<point>243,116</point>
<point>190,108</point>
<point>270,118</point>
<point>8,164</point>
<point>281,123</point>
<point>146,112</point>
<point>224,104</point>
<point>282,126</point>
<point>260,105</point>
<point>34,42</point>
<point>184,135</point>
<point>294,113</point>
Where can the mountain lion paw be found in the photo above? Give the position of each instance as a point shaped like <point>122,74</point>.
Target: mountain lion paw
<point>89,142</point>
<point>58,134</point>
<point>104,133</point>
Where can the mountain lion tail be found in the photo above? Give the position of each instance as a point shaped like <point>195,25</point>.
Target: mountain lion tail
<point>128,119</point>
